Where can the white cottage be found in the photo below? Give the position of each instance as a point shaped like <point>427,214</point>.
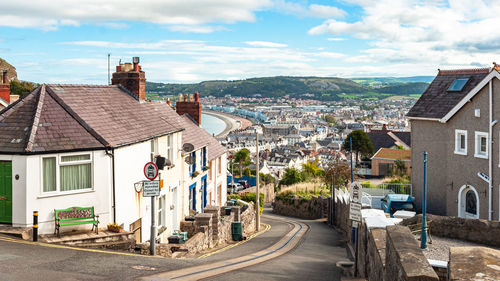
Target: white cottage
<point>79,145</point>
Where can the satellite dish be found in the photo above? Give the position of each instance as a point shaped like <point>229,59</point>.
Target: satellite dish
<point>187,147</point>
<point>190,160</point>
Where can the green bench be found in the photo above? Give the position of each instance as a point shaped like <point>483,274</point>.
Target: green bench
<point>76,216</point>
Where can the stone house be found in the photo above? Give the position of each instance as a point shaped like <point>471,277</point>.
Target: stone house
<point>455,122</point>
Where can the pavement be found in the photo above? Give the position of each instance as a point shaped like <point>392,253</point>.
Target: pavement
<point>312,256</point>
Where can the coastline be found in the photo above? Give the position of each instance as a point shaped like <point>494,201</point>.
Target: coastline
<point>230,120</point>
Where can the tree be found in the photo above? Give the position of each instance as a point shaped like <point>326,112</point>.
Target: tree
<point>342,174</point>
<point>247,172</point>
<point>243,159</point>
<point>291,176</point>
<point>311,169</point>
<point>21,88</point>
<point>400,168</point>
<point>267,178</point>
<point>329,119</point>
<point>361,143</point>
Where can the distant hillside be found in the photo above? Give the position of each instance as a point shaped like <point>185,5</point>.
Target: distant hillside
<point>319,88</point>
<point>364,81</point>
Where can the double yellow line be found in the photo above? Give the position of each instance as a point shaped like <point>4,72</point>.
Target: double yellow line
<point>267,227</point>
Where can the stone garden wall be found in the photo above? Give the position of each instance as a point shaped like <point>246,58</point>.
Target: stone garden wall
<point>314,208</point>
<point>474,230</point>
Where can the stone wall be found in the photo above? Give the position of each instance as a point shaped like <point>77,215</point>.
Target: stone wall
<point>404,258</point>
<point>473,230</point>
<point>383,254</point>
<point>248,220</point>
<point>314,208</point>
<point>267,190</point>
<point>474,263</point>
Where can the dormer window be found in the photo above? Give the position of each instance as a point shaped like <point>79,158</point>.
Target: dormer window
<point>458,84</point>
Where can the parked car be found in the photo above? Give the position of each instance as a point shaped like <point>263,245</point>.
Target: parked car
<point>233,188</point>
<point>244,183</point>
<point>395,202</point>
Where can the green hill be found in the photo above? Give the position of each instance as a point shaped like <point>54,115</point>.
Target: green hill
<point>319,88</point>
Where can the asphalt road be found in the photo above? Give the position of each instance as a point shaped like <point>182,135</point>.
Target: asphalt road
<point>314,259</point>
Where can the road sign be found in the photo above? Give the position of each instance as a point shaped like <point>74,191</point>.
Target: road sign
<point>356,192</point>
<point>151,188</point>
<point>150,171</point>
<point>355,211</point>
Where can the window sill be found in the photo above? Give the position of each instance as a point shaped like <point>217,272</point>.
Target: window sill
<point>48,195</point>
<point>481,156</point>
<point>461,152</point>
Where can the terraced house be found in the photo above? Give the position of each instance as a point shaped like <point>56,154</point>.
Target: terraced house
<point>81,145</point>
<point>456,122</point>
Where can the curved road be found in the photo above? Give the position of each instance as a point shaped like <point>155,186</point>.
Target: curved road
<point>292,250</point>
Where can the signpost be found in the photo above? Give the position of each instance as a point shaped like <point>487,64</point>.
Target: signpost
<point>151,189</point>
<point>356,192</point>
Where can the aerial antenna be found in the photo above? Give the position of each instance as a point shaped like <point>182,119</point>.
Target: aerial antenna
<point>109,77</point>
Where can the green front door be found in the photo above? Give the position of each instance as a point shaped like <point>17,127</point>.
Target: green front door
<point>5,192</point>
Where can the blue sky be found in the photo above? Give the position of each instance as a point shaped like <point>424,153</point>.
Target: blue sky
<point>67,41</point>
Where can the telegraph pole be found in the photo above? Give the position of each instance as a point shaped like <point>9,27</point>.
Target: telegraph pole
<point>257,193</point>
<point>109,76</point>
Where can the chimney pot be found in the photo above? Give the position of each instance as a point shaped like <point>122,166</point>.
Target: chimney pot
<point>134,82</point>
<point>196,97</point>
<point>180,97</point>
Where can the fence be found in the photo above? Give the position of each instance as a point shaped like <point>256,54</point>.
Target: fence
<point>386,188</point>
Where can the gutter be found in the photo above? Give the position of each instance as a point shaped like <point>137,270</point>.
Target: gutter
<point>112,155</point>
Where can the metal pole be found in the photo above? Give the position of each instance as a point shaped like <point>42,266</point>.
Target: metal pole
<point>423,235</point>
<point>352,175</point>
<point>35,226</point>
<point>332,195</point>
<point>257,193</point>
<point>109,80</point>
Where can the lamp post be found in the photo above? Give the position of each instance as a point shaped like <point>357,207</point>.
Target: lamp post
<point>423,235</point>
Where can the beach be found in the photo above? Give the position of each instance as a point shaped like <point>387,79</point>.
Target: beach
<point>231,122</point>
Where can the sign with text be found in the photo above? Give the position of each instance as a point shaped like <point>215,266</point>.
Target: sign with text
<point>151,188</point>
<point>355,211</point>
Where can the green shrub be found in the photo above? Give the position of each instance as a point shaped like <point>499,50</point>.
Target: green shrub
<point>250,197</point>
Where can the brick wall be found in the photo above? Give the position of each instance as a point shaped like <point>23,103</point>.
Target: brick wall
<point>5,92</point>
<point>192,108</point>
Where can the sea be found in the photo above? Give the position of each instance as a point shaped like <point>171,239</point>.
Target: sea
<point>212,124</point>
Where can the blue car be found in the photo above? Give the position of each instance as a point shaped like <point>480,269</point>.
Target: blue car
<point>395,202</point>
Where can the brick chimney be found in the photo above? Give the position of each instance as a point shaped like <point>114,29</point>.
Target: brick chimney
<point>4,87</point>
<point>131,76</point>
<point>186,104</point>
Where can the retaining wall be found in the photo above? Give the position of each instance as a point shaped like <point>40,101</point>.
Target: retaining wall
<point>314,208</point>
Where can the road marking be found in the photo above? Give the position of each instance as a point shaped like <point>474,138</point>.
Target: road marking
<point>7,239</point>
<point>285,244</point>
<point>237,244</point>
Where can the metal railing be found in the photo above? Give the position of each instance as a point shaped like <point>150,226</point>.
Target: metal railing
<point>386,188</point>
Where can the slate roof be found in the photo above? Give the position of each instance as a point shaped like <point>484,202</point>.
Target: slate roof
<point>393,154</point>
<point>199,138</point>
<point>380,139</point>
<point>81,117</point>
<point>437,101</point>
<point>404,137</point>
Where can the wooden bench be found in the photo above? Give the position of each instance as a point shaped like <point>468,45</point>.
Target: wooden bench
<point>76,216</point>
<point>417,229</point>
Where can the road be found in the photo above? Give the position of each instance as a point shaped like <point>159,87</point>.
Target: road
<point>291,250</point>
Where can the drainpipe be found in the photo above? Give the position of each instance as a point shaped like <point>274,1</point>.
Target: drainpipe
<point>112,155</point>
<point>490,150</point>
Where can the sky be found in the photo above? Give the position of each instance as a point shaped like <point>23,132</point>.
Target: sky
<point>188,41</point>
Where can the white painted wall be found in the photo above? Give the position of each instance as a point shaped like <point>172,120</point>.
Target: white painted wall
<point>28,193</point>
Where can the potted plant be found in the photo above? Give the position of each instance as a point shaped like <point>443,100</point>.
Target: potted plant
<point>205,168</point>
<point>195,174</point>
<point>114,227</point>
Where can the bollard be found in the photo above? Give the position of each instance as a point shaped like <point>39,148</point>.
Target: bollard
<point>35,226</point>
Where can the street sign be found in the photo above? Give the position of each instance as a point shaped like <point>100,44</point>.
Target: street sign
<point>150,171</point>
<point>355,211</point>
<point>151,188</point>
<point>356,192</point>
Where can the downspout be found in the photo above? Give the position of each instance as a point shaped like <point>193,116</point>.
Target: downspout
<point>490,152</point>
<point>112,155</point>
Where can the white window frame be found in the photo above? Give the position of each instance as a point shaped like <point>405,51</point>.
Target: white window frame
<point>169,148</point>
<point>458,149</point>
<point>59,163</point>
<point>161,219</point>
<point>477,145</point>
<point>154,148</point>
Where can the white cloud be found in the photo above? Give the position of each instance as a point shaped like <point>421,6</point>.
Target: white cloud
<point>195,28</point>
<point>335,39</point>
<point>265,44</point>
<point>423,32</point>
<point>50,14</point>
<point>313,10</point>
